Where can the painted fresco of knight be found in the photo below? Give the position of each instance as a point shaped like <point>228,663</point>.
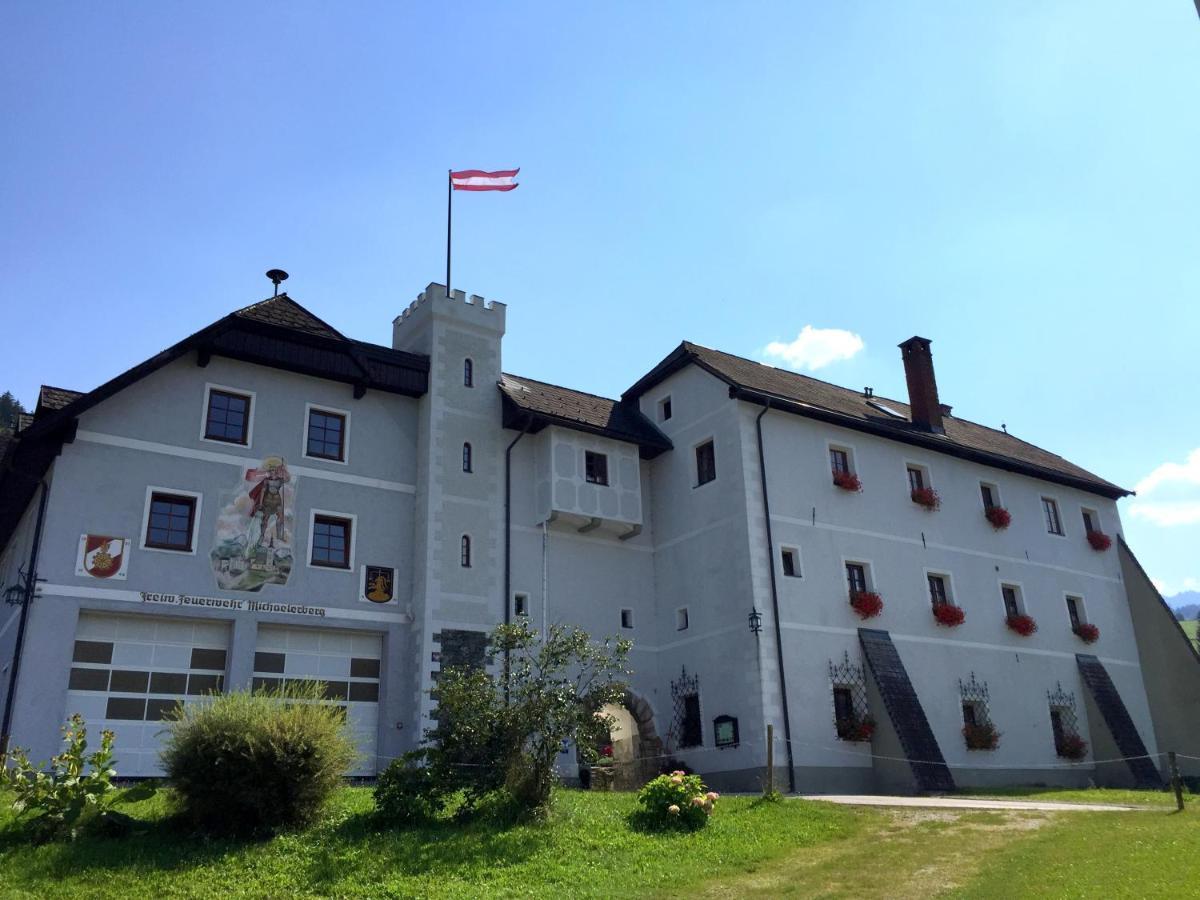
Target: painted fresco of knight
<point>253,542</point>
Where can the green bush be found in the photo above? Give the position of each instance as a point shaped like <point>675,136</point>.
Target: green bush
<point>66,794</point>
<point>257,761</point>
<point>677,801</point>
<point>407,794</point>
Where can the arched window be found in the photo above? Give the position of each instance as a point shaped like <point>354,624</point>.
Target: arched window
<point>467,458</point>
<point>468,373</point>
<point>466,551</point>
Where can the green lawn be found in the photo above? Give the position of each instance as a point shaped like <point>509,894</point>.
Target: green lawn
<point>1164,798</point>
<point>1189,628</point>
<point>794,848</point>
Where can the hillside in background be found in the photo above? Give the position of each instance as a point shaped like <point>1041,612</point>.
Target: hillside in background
<point>1186,604</point>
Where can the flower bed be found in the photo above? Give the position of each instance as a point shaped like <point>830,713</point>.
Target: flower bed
<point>1072,746</point>
<point>847,481</point>
<point>855,729</point>
<point>926,497</point>
<point>867,604</point>
<point>949,615</point>
<point>1022,625</point>
<point>983,736</point>
<point>1099,541</point>
<point>677,800</point>
<point>1087,632</point>
<point>999,517</point>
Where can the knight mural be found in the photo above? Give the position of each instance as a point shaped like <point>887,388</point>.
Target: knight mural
<point>253,541</point>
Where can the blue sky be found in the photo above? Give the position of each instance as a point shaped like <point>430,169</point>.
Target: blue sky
<point>1016,181</point>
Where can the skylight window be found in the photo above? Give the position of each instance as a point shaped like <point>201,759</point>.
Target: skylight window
<point>883,408</point>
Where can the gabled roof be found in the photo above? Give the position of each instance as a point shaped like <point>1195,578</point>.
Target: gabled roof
<point>532,405</point>
<point>800,394</point>
<point>285,312</point>
<point>53,398</point>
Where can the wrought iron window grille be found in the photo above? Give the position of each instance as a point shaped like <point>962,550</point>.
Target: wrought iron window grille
<point>685,700</point>
<point>856,723</point>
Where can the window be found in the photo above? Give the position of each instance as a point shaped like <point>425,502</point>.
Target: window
<point>465,552</point>
<point>681,619</point>
<point>916,478</point>
<point>595,467</point>
<point>227,417</point>
<point>331,542</point>
<point>468,373</point>
<point>1091,521</point>
<point>844,715</point>
<point>627,618</point>
<point>791,562</point>
<point>326,435</point>
<point>971,715</point>
<point>1056,726</point>
<point>170,523</point>
<point>690,734</point>
<point>664,409</point>
<point>839,460</point>
<point>1012,599</point>
<point>521,604</point>
<point>988,492</point>
<point>938,595</point>
<point>706,463</point>
<point>1053,522</point>
<point>467,458</point>
<point>856,577</point>
<point>1075,610</point>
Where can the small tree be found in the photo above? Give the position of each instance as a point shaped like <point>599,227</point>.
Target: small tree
<point>504,731</point>
<point>10,411</point>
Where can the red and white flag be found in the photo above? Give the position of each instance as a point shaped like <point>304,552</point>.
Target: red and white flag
<point>476,180</point>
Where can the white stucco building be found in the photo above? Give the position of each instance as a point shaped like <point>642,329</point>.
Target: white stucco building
<point>270,499</point>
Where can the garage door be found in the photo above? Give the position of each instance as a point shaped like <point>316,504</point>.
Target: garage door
<point>348,663</point>
<point>127,672</point>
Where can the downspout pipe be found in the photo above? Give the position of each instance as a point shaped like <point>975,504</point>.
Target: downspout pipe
<point>508,537</point>
<point>787,719</point>
<point>31,582</point>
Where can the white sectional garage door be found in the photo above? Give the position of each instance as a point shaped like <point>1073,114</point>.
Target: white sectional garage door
<point>346,661</point>
<point>127,672</point>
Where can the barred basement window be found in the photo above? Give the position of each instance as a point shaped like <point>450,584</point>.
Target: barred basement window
<point>1064,724</point>
<point>685,695</point>
<point>978,731</point>
<point>851,716</point>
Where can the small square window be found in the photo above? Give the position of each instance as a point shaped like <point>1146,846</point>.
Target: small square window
<point>664,409</point>
<point>326,435</point>
<point>595,467</point>
<point>1011,595</point>
<point>681,619</point>
<point>916,478</point>
<point>791,562</point>
<point>1091,521</point>
<point>706,463</point>
<point>172,517</point>
<point>1075,611</point>
<point>331,542</point>
<point>228,417</point>
<point>839,461</point>
<point>521,604</point>
<point>856,577</point>
<point>938,594</point>
<point>1053,522</point>
<point>627,618</point>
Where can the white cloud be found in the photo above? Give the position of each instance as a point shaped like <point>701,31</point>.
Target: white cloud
<point>1170,589</point>
<point>1171,473</point>
<point>1174,492</point>
<point>815,348</point>
<point>1167,513</point>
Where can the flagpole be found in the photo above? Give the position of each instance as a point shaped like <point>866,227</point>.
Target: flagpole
<point>449,213</point>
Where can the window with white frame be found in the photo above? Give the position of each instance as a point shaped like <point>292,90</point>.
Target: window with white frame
<point>1091,521</point>
<point>857,577</point>
<point>839,461</point>
<point>1053,519</point>
<point>170,521</point>
<point>325,434</point>
<point>918,477</point>
<point>939,589</point>
<point>1075,610</point>
<point>227,415</point>
<point>1014,604</point>
<point>990,495</point>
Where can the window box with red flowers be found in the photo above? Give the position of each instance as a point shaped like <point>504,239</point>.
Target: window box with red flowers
<point>1087,632</point>
<point>981,736</point>
<point>999,517</point>
<point>847,481</point>
<point>926,497</point>
<point>867,604</point>
<point>1022,625</point>
<point>949,615</point>
<point>856,729</point>
<point>1099,541</point>
<point>1072,747</point>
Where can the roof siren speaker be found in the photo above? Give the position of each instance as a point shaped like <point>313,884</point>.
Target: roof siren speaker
<point>276,276</point>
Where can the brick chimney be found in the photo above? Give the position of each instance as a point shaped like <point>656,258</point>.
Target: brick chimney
<point>922,386</point>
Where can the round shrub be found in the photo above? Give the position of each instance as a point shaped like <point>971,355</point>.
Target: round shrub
<point>245,762</point>
<point>677,801</point>
<point>407,794</point>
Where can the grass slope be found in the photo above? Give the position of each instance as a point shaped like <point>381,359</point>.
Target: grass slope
<point>586,850</point>
<point>1189,628</point>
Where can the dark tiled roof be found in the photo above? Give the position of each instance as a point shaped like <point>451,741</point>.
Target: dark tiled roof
<point>285,312</point>
<point>51,398</point>
<point>811,396</point>
<point>24,420</point>
<point>574,409</point>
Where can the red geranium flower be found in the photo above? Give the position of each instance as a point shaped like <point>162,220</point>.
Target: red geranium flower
<point>867,604</point>
<point>1072,746</point>
<point>856,729</point>
<point>983,736</point>
<point>847,481</point>
<point>948,614</point>
<point>1088,633</point>
<point>926,497</point>
<point>998,516</point>
<point>1022,625</point>
<point>1099,540</point>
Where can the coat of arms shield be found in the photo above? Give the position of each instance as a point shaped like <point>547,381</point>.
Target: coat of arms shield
<point>379,584</point>
<point>102,556</point>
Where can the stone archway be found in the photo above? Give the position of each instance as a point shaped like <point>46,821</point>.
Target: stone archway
<point>647,745</point>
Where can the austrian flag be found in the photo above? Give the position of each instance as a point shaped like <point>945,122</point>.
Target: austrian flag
<point>476,180</point>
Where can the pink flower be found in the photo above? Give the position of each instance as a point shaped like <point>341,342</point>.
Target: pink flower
<point>676,779</point>
<point>673,809</point>
<point>712,795</point>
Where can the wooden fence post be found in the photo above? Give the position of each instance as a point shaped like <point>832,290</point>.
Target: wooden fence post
<point>1176,781</point>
